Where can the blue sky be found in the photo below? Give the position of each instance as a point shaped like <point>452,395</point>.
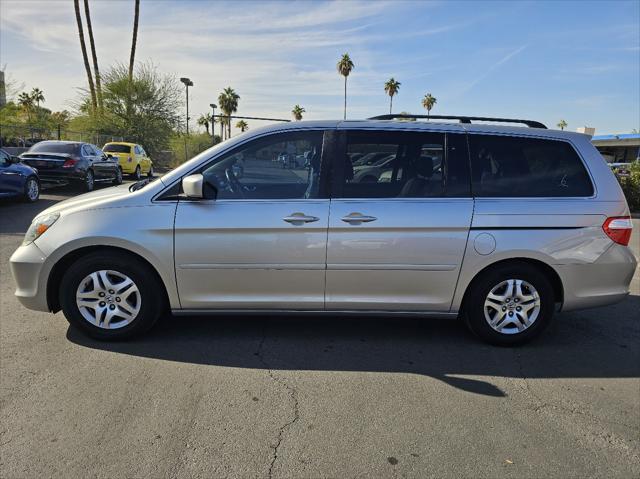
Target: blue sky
<point>547,60</point>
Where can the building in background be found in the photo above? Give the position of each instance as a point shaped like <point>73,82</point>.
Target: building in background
<point>618,150</point>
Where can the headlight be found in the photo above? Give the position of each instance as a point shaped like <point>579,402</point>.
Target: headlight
<point>39,226</point>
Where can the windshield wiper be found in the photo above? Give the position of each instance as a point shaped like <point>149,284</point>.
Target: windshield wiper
<point>139,184</point>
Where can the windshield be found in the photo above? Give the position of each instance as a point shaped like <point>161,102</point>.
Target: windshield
<point>111,148</point>
<point>55,147</point>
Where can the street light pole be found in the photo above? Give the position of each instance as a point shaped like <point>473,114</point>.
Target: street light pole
<point>213,120</point>
<point>187,83</point>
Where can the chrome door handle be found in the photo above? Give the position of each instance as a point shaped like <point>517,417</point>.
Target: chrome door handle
<point>357,218</point>
<point>300,219</point>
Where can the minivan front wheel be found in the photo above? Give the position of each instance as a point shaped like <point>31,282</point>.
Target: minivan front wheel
<point>509,304</point>
<point>110,296</point>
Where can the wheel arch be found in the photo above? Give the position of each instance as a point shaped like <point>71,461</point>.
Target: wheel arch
<point>59,268</point>
<point>545,268</point>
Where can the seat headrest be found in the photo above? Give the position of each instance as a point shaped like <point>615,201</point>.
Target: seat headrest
<point>424,166</point>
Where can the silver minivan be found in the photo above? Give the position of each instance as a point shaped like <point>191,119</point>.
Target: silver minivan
<point>499,225</point>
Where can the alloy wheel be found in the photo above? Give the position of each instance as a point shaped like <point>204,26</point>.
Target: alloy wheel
<point>33,189</point>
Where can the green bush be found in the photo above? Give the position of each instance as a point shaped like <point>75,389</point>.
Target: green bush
<point>631,186</point>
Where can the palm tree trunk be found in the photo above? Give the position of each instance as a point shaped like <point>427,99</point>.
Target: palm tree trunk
<point>93,54</point>
<point>345,97</point>
<point>229,127</point>
<point>83,47</point>
<point>135,39</point>
<point>390,104</point>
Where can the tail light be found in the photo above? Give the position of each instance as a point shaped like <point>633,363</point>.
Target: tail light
<point>618,228</point>
<point>70,163</point>
<point>129,159</point>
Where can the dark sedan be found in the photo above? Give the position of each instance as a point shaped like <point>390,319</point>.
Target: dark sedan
<point>17,180</point>
<point>82,164</point>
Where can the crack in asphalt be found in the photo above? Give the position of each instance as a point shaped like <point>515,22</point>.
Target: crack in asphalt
<point>293,394</point>
<point>595,429</point>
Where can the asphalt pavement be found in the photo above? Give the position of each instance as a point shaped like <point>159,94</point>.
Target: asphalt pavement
<point>314,397</point>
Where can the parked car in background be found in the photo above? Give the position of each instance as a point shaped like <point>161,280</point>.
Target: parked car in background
<point>72,162</point>
<point>500,225</point>
<point>17,179</point>
<point>132,158</point>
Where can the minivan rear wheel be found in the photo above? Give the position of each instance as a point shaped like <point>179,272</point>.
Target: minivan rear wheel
<point>509,304</point>
<point>111,296</point>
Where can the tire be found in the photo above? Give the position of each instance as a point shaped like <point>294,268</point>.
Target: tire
<point>118,178</point>
<point>150,174</point>
<point>144,303</point>
<point>31,190</point>
<point>89,182</point>
<point>137,174</point>
<point>536,304</point>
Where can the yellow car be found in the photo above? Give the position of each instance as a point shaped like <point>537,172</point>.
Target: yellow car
<point>133,159</point>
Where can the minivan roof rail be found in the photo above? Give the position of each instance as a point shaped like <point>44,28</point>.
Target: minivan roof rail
<point>462,119</point>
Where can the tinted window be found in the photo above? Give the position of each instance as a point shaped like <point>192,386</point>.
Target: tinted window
<point>117,148</point>
<point>4,158</point>
<point>54,147</point>
<point>404,165</point>
<point>87,151</point>
<point>279,166</point>
<point>504,166</point>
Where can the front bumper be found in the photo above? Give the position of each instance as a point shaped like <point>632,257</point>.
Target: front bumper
<point>30,275</point>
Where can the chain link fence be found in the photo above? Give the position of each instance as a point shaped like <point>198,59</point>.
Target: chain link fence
<point>25,136</point>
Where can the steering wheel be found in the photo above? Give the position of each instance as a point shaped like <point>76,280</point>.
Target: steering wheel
<point>234,185</point>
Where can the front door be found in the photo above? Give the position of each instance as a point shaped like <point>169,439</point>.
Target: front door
<point>261,244</point>
<point>398,226</point>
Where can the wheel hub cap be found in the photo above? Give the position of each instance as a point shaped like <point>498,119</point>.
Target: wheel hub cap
<point>108,299</point>
<point>512,306</point>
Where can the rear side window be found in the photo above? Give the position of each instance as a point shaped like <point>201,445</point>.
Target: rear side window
<point>505,166</point>
<point>379,164</point>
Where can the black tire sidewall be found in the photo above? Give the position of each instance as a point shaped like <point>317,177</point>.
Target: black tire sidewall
<point>143,277</point>
<point>85,183</point>
<point>474,303</point>
<point>118,179</point>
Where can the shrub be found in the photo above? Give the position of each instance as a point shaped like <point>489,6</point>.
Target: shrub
<point>631,186</point>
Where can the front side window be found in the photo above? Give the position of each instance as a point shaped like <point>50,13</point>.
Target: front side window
<point>506,166</point>
<point>281,166</point>
<point>404,165</point>
<point>4,158</point>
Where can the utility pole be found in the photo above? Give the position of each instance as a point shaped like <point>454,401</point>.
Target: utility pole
<point>213,119</point>
<point>187,83</point>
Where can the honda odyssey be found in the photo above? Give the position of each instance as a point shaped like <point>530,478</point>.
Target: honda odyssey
<point>499,225</point>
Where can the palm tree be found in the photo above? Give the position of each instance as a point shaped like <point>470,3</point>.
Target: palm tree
<point>26,102</point>
<point>96,70</point>
<point>83,47</point>
<point>228,101</point>
<point>204,120</point>
<point>242,126</point>
<point>134,41</point>
<point>562,124</point>
<point>429,102</point>
<point>297,112</point>
<point>344,66</point>
<point>392,87</point>
<point>37,95</point>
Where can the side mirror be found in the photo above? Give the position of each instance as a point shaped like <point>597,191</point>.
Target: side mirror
<point>193,186</point>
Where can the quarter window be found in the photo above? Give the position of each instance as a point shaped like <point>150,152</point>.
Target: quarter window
<point>404,165</point>
<point>282,166</point>
<point>506,166</point>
